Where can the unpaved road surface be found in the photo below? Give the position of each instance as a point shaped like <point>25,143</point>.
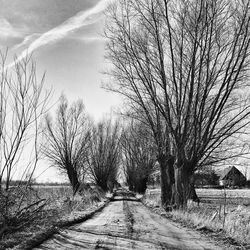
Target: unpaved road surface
<point>126,223</point>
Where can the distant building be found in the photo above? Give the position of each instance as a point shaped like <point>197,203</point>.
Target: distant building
<point>210,177</point>
<point>231,176</point>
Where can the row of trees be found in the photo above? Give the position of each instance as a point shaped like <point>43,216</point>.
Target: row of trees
<point>81,149</point>
<point>183,68</point>
<point>139,155</point>
<point>98,153</point>
<point>69,139</point>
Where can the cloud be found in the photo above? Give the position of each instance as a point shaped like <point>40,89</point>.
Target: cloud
<point>81,19</point>
<point>26,41</point>
<point>90,39</point>
<point>7,30</point>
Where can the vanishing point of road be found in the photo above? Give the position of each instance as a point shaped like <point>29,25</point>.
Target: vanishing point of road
<point>125,223</point>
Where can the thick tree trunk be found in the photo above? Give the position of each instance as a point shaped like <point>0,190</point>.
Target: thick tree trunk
<point>131,187</point>
<point>73,178</point>
<point>181,187</point>
<point>103,184</point>
<point>110,186</point>
<point>166,169</point>
<point>192,192</point>
<point>184,186</point>
<point>142,186</point>
<point>1,184</point>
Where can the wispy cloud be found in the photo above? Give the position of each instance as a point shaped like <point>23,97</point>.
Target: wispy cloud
<point>6,29</point>
<point>81,19</point>
<point>26,41</point>
<point>90,39</point>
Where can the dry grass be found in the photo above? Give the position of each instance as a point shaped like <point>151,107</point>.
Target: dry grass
<point>48,232</point>
<point>60,208</point>
<point>237,224</point>
<point>234,223</point>
<point>230,216</point>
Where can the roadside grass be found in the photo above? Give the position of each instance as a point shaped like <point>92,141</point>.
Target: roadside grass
<point>235,222</point>
<point>225,214</point>
<point>60,208</point>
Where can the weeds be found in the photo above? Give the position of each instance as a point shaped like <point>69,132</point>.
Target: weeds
<point>216,216</point>
<point>23,213</point>
<point>235,224</point>
<point>19,206</point>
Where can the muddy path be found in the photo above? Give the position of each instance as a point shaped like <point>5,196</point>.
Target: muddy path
<point>127,224</point>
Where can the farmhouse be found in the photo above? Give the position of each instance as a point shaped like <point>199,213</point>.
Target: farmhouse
<point>231,176</point>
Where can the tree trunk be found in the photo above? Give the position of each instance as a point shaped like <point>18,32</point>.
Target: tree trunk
<point>73,178</point>
<point>192,192</point>
<point>1,184</point>
<point>102,183</point>
<point>110,186</point>
<point>182,187</point>
<point>142,185</point>
<point>166,181</point>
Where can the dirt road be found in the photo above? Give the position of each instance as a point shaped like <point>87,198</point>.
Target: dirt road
<point>127,224</point>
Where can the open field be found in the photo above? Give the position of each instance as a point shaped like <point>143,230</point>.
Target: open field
<point>216,196</point>
<point>219,196</point>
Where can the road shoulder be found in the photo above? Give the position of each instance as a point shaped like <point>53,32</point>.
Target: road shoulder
<point>218,237</point>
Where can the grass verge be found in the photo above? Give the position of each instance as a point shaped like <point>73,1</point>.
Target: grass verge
<point>61,210</point>
<point>45,234</point>
<point>225,223</point>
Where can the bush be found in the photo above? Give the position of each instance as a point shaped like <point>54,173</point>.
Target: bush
<point>206,177</point>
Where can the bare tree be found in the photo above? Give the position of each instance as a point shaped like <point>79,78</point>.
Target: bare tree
<point>67,140</point>
<point>150,118</point>
<point>190,59</point>
<point>104,158</point>
<point>139,155</point>
<point>23,102</point>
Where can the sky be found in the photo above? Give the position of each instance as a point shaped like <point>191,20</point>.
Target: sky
<point>65,38</point>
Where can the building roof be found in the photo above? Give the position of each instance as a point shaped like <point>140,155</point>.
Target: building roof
<point>222,173</point>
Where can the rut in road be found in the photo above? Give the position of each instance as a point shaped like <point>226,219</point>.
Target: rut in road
<point>127,224</point>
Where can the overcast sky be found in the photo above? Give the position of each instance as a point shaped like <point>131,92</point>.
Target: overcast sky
<point>65,39</point>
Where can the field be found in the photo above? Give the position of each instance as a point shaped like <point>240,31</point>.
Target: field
<point>225,212</point>
<point>220,196</point>
<point>215,196</point>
